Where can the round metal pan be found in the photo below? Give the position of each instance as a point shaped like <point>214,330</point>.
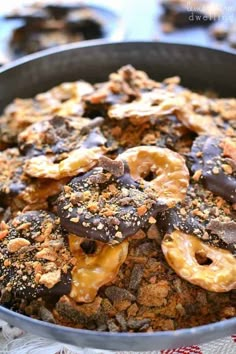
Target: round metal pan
<point>199,68</point>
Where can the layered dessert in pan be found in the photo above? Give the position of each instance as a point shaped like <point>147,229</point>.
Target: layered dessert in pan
<point>118,205</point>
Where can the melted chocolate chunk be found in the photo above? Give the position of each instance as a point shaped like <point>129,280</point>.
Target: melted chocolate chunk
<point>35,260</point>
<point>207,156</point>
<point>107,210</point>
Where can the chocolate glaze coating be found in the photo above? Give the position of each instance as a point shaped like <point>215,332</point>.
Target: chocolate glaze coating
<point>19,267</point>
<point>171,219</point>
<point>206,155</point>
<point>102,207</point>
<point>196,215</point>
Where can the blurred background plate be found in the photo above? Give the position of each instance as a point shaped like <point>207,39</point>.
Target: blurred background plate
<point>111,25</point>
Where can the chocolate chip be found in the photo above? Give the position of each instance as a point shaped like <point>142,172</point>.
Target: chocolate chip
<point>116,294</point>
<point>112,326</point>
<point>120,318</point>
<point>133,323</point>
<point>136,276</point>
<point>98,179</point>
<point>79,314</point>
<point>94,139</point>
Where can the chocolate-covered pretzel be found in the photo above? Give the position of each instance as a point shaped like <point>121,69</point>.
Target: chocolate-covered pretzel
<point>204,215</point>
<point>111,206</point>
<point>35,259</point>
<point>123,86</point>
<point>166,131</point>
<point>200,240</point>
<point>58,135</point>
<point>62,147</point>
<point>213,160</point>
<point>64,100</point>
<point>84,156</point>
<point>18,190</point>
<point>103,207</point>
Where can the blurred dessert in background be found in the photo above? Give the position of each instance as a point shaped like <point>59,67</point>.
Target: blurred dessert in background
<point>217,15</point>
<point>28,26</point>
<point>45,26</point>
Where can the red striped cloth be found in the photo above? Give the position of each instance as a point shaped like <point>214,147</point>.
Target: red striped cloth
<point>221,346</point>
<point>184,350</point>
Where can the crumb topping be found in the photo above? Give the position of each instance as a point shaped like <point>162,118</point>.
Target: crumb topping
<point>33,253</point>
<point>105,207</point>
